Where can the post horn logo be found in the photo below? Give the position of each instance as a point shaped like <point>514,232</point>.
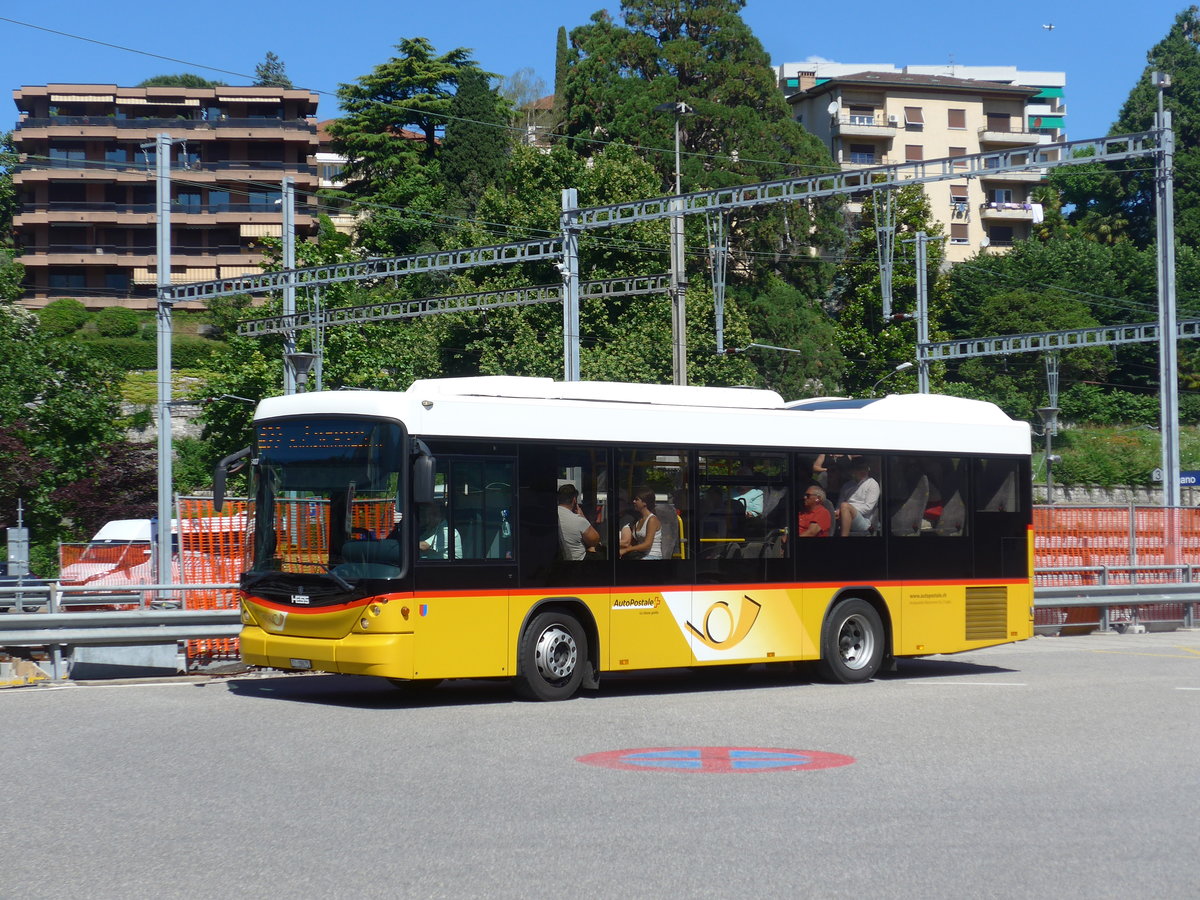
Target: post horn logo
<point>722,628</point>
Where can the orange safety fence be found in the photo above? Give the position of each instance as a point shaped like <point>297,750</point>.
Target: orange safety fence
<point>211,551</point>
<point>1128,541</point>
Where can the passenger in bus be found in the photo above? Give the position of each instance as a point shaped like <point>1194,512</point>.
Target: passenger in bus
<point>815,520</point>
<point>646,537</point>
<point>576,535</point>
<point>859,500</point>
<point>435,533</point>
<point>750,496</point>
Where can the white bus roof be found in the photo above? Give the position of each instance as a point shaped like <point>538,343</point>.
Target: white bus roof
<point>516,408</point>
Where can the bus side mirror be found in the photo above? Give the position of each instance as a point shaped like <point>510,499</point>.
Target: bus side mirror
<point>231,463</point>
<point>422,474</point>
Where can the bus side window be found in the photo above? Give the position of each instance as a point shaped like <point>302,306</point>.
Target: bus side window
<point>472,516</point>
<point>926,496</point>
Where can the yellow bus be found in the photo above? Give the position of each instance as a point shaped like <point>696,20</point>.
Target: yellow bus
<point>546,532</point>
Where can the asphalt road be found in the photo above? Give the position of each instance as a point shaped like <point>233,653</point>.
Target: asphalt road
<point>1060,766</point>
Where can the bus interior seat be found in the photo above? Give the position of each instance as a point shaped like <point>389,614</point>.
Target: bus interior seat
<point>1005,497</point>
<point>953,517</point>
<point>906,521</point>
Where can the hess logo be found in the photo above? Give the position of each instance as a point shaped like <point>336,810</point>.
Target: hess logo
<point>724,627</point>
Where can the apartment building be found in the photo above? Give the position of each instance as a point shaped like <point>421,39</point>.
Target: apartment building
<point>87,221</point>
<point>1045,113</point>
<point>874,118</point>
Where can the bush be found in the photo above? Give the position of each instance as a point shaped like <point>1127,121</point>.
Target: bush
<point>130,354</point>
<point>117,321</point>
<point>62,317</point>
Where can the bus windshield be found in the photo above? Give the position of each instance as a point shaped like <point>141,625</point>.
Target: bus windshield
<point>326,499</point>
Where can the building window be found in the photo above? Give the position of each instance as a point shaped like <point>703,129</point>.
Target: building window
<point>958,193</point>
<point>999,122</point>
<point>116,282</point>
<point>1000,195</point>
<point>862,154</point>
<point>188,201</point>
<point>1000,235</point>
<point>793,82</point>
<point>218,201</point>
<point>68,280</point>
<point>862,115</point>
<point>912,152</point>
<point>958,151</point>
<point>914,117</point>
<point>956,118</point>
<point>958,233</point>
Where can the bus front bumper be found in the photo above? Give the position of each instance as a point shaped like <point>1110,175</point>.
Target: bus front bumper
<point>384,655</point>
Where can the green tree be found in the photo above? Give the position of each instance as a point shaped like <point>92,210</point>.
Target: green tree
<point>475,148</point>
<point>58,408</point>
<point>1178,55</point>
<point>271,72</point>
<point>785,317</point>
<point>183,80</point>
<point>12,273</point>
<point>871,346</point>
<point>701,53</point>
<point>8,194</point>
<point>1017,382</point>
<point>390,135</point>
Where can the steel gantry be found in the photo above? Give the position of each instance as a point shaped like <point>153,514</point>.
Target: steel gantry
<point>574,221</point>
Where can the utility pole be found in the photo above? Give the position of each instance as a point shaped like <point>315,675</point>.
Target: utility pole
<point>1168,346</point>
<point>569,269</point>
<point>678,273</point>
<point>288,200</point>
<point>922,311</point>
<point>166,498</point>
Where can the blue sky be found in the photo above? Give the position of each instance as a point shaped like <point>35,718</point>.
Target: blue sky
<point>1101,45</point>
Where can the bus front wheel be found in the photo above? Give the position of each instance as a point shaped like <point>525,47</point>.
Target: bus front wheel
<point>852,642</point>
<point>551,657</point>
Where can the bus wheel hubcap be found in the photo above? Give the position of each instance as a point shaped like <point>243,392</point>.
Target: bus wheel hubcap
<point>556,653</point>
<point>856,642</point>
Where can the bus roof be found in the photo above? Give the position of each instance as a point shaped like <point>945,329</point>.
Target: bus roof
<point>516,408</point>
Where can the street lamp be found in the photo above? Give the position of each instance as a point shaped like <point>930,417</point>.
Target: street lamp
<point>678,276</point>
<point>1049,417</point>
<point>900,368</point>
<point>300,363</point>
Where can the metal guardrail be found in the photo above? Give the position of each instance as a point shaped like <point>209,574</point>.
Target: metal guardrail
<point>155,622</point>
<point>160,622</point>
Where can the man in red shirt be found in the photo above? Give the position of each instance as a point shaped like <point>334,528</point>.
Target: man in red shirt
<point>815,520</point>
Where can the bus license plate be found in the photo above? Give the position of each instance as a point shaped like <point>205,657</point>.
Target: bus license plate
<point>301,663</point>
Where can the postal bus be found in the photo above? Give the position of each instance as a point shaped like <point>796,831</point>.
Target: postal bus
<point>415,535</point>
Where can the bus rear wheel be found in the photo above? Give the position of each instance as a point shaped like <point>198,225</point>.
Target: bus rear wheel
<point>551,657</point>
<point>852,642</point>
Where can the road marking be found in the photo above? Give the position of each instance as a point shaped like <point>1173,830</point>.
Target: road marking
<point>1189,650</point>
<point>723,760</point>
<point>1186,655</point>
<point>1187,689</point>
<point>976,683</point>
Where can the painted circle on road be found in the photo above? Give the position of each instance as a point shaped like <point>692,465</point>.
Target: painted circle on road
<point>716,759</point>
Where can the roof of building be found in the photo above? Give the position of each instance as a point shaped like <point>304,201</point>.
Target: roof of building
<point>918,82</point>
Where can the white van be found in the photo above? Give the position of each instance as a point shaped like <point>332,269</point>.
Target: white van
<point>120,553</point>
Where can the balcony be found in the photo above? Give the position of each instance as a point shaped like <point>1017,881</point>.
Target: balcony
<point>145,213</point>
<point>96,170</point>
<point>1029,176</point>
<point>865,126</point>
<point>132,255</point>
<point>852,161</point>
<point>147,129</point>
<point>1000,211</point>
<point>988,135</point>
